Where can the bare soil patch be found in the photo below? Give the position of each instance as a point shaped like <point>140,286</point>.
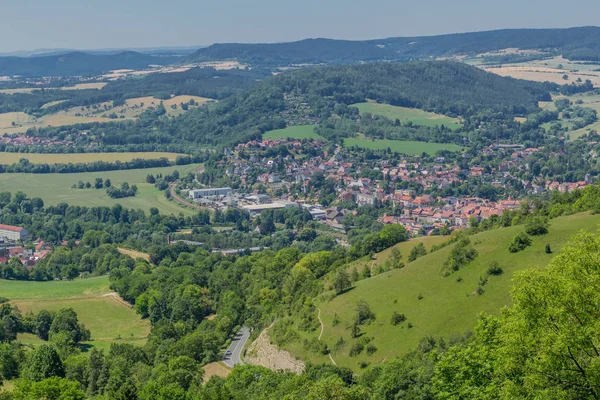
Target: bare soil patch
<point>262,352</point>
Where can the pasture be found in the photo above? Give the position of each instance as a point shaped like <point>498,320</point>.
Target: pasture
<point>38,158</point>
<point>56,188</point>
<point>101,112</point>
<point>293,132</point>
<point>108,318</point>
<point>401,146</point>
<point>404,114</point>
<point>435,305</point>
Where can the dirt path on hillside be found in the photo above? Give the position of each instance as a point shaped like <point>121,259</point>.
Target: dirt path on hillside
<point>321,334</point>
<point>262,352</point>
<point>118,298</point>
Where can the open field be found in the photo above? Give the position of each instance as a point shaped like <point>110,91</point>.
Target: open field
<point>56,188</point>
<point>31,290</point>
<point>108,318</point>
<point>79,86</point>
<point>551,70</point>
<point>101,112</point>
<point>37,158</point>
<point>448,305</point>
<point>52,104</point>
<point>587,100</point>
<point>134,254</point>
<point>215,369</point>
<point>401,146</point>
<point>294,132</point>
<point>404,114</point>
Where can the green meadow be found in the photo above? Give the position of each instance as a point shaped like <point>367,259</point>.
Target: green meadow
<point>56,188</point>
<point>434,305</point>
<point>404,114</point>
<point>293,132</point>
<point>401,146</point>
<point>108,319</point>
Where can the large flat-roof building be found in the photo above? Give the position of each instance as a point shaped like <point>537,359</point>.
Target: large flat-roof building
<point>211,192</point>
<point>13,233</point>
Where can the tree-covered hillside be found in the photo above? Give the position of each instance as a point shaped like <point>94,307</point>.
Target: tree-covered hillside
<point>574,43</point>
<point>78,63</point>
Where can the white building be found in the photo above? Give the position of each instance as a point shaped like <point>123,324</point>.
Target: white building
<point>202,193</point>
<point>13,233</point>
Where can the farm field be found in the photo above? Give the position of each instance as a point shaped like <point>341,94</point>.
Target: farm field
<point>294,132</point>
<point>38,158</point>
<point>448,306</point>
<point>101,112</point>
<point>79,86</point>
<point>108,318</point>
<point>401,146</point>
<point>587,101</point>
<point>404,114</point>
<point>56,188</point>
<point>551,70</point>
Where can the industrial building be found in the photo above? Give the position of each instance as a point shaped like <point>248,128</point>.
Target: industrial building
<point>211,192</point>
<point>13,233</point>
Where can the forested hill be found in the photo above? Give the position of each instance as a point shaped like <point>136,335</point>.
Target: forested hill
<point>575,43</point>
<point>445,87</point>
<point>78,63</point>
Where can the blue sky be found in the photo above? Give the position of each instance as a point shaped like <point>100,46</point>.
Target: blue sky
<point>94,24</point>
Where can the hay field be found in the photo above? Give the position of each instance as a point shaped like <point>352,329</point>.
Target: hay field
<point>56,188</point>
<point>37,158</point>
<point>401,146</point>
<point>404,114</point>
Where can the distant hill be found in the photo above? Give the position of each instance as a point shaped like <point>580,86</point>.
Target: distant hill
<point>582,43</point>
<point>78,63</point>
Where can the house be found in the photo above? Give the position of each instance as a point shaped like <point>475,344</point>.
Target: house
<point>13,233</point>
<point>363,199</point>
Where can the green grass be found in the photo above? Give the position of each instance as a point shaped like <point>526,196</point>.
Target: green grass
<point>29,290</point>
<point>404,114</point>
<point>447,306</point>
<point>293,132</point>
<point>401,146</point>
<point>39,158</point>
<point>56,188</point>
<point>109,320</point>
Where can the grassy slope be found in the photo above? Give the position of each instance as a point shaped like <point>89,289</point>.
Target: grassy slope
<point>400,146</point>
<point>56,188</point>
<point>35,158</point>
<point>404,114</point>
<point>447,307</point>
<point>107,318</point>
<point>294,132</point>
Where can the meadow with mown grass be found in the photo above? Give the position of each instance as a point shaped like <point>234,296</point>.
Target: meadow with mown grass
<point>434,305</point>
<point>75,158</point>
<point>56,188</point>
<point>109,318</point>
<point>405,114</point>
<point>400,146</point>
<point>293,132</point>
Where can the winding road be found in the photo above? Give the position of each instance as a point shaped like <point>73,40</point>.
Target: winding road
<point>236,347</point>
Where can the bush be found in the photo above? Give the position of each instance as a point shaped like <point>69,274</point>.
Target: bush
<point>371,348</point>
<point>548,249</point>
<point>364,315</point>
<point>356,349</point>
<point>416,252</point>
<point>494,269</point>
<point>397,318</point>
<point>519,242</point>
<point>537,226</point>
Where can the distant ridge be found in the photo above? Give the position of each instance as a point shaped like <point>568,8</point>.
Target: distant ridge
<point>581,43</point>
<point>79,63</point>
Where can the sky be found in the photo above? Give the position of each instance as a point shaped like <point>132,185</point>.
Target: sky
<point>94,24</point>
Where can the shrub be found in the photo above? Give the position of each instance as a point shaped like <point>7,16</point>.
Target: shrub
<point>416,252</point>
<point>397,318</point>
<point>356,349</point>
<point>548,249</point>
<point>364,315</point>
<point>494,269</point>
<point>536,226</point>
<point>371,348</point>
<point>519,242</point>
<point>461,255</point>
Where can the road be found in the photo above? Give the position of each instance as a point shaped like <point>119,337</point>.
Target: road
<point>237,347</point>
<point>178,199</point>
